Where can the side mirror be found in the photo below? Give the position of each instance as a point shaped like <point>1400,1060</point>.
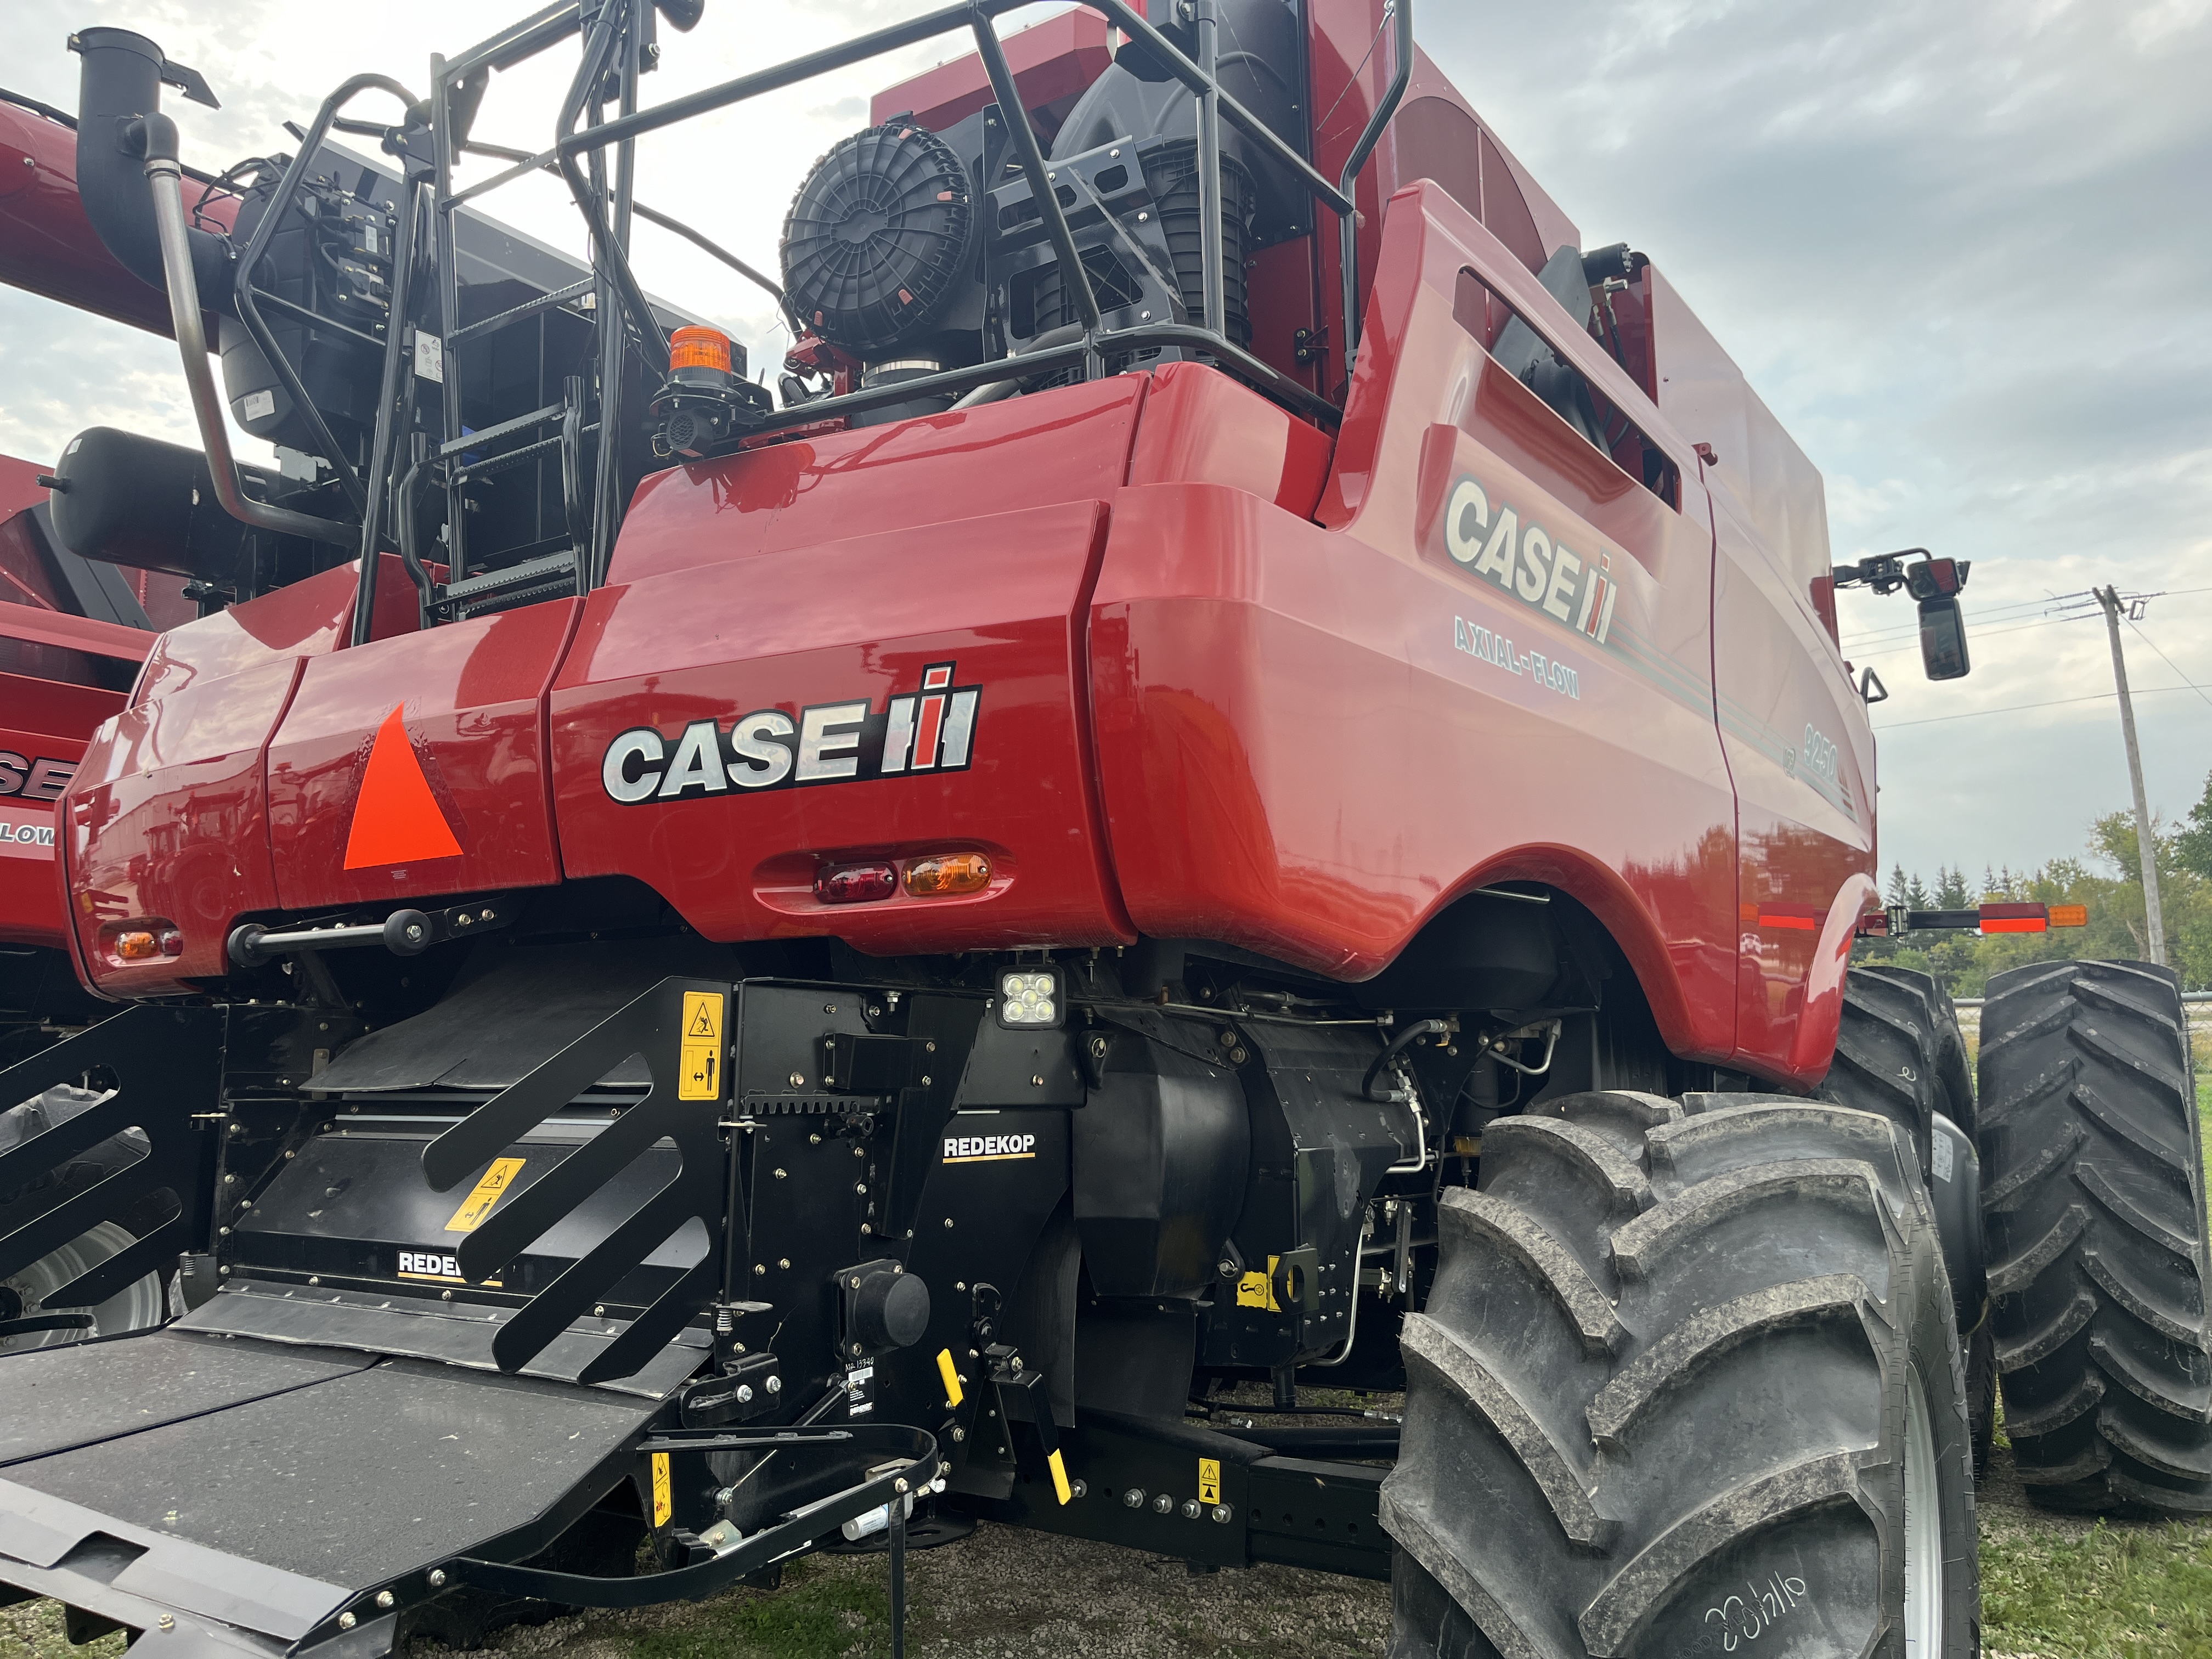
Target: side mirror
<point>1943,640</point>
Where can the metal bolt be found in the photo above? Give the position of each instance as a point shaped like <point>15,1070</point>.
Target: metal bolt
<point>1162,1504</point>
<point>722,1497</point>
<point>783,1261</point>
<point>773,1385</point>
<point>760,1267</point>
<point>829,1008</point>
<point>958,1433</point>
<point>1079,1488</point>
<point>860,1187</point>
<point>814,1141</point>
<point>779,1175</point>
<point>948,1223</point>
<point>798,1079</point>
<point>222,1270</point>
<point>925,1082</point>
<point>437,1579</point>
<point>347,1621</point>
<point>1134,1498</point>
<point>1238,1055</point>
<point>230,1179</point>
<point>1142,217</point>
<point>744,1393</point>
<point>959,1284</point>
<point>167,1620</point>
<point>928,1047</point>
<point>1220,1512</point>
<point>313,1280</point>
<point>899,1485</point>
<point>445,1296</point>
<point>385,1598</point>
<point>599,1310</point>
<point>1034,1082</point>
<point>854,1283</point>
<point>1190,1508</point>
<point>859,1152</point>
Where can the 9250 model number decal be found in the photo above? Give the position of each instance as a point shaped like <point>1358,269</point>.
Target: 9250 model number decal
<point>932,730</point>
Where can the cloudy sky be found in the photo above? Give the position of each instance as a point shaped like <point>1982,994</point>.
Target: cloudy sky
<point>1961,248</point>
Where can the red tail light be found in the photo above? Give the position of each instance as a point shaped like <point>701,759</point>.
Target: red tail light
<point>855,883</point>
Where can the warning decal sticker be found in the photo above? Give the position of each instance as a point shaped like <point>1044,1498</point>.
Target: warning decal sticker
<point>485,1194</point>
<point>663,1497</point>
<point>1209,1480</point>
<point>699,1071</point>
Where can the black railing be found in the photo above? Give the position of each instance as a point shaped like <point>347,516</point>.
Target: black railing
<point>615,34</point>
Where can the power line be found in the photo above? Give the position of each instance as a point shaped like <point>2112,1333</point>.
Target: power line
<point>1999,613</point>
<point>2015,708</point>
<point>2167,661</point>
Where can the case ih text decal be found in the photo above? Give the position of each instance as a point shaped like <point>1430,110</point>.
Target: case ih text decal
<point>1522,559</point>
<point>931,731</point>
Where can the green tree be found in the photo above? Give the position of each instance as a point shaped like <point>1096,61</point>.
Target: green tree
<point>2192,844</point>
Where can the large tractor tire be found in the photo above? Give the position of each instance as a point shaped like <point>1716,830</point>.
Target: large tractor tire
<point>1684,1382</point>
<point>2094,1206</point>
<point>138,1304</point>
<point>1899,1052</point>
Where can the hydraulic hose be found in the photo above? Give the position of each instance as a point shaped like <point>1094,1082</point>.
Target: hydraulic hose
<point>165,178</point>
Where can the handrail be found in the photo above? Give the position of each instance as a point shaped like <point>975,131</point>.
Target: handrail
<point>1347,225</point>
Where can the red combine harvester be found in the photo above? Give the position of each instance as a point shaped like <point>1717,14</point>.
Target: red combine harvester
<point>1242,776</point>
<point>73,633</point>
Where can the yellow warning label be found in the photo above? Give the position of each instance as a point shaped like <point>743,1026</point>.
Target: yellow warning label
<point>950,1373</point>
<point>1209,1480</point>
<point>1059,1486</point>
<point>1258,1290</point>
<point>664,1498</point>
<point>699,1072</point>
<point>485,1194</point>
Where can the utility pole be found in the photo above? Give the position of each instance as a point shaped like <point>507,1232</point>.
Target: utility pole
<point>2109,598</point>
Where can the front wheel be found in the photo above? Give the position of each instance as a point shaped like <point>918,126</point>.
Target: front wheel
<point>1686,1385</point>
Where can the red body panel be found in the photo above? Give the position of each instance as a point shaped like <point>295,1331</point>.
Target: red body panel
<point>1001,598</point>
<point>475,710</point>
<point>167,817</point>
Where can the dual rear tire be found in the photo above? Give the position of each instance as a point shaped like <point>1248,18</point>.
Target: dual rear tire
<point>2094,1192</point>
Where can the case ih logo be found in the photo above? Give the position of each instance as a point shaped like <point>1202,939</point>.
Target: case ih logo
<point>1547,575</point>
<point>933,730</point>
<point>33,779</point>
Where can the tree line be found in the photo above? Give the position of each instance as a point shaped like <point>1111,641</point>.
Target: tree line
<point>2106,878</point>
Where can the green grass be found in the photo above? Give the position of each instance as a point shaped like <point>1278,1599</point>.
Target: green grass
<point>2110,1591</point>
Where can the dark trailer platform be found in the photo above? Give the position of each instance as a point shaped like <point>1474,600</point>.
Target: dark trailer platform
<point>250,1495</point>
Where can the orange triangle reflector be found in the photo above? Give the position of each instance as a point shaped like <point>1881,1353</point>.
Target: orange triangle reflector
<point>396,819</point>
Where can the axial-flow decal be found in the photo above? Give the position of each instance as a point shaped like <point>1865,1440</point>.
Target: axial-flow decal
<point>933,730</point>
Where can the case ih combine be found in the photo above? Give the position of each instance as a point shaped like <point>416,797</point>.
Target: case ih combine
<point>1245,776</point>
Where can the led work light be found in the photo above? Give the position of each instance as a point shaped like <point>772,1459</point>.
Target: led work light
<point>1031,997</point>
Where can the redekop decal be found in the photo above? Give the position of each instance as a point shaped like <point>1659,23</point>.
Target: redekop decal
<point>933,730</point>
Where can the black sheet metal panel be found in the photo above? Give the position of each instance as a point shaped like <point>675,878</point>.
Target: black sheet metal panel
<point>165,1063</point>
<point>57,1398</point>
<point>1309,1512</point>
<point>361,1478</point>
<point>514,1005</point>
<point>133,1575</point>
<point>353,1202</point>
<point>451,1334</point>
<point>679,1027</point>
